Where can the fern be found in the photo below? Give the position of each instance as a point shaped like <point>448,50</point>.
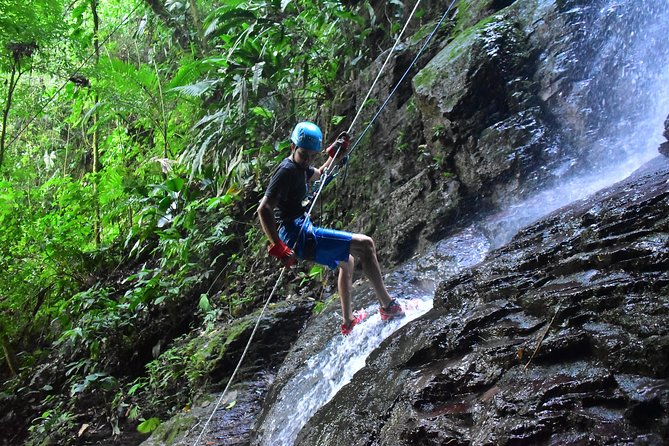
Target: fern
<point>110,186</point>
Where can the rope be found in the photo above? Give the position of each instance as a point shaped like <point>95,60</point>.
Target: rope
<point>392,93</point>
<point>411,65</point>
<point>331,171</point>
<point>248,344</point>
<point>378,76</point>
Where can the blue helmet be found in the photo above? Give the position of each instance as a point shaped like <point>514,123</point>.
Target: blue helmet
<point>308,136</point>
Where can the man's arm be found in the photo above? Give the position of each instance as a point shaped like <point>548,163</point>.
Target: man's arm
<point>342,141</point>
<point>277,247</point>
<point>266,216</point>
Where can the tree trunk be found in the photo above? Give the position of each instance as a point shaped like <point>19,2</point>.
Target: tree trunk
<point>8,352</point>
<point>96,137</point>
<point>197,23</point>
<point>10,357</point>
<point>13,80</point>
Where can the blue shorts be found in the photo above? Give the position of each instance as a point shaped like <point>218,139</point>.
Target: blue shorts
<point>325,246</point>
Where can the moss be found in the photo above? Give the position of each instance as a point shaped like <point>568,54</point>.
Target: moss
<point>425,77</point>
<point>167,433</point>
<point>322,305</point>
<point>218,342</point>
<point>463,39</point>
<point>460,46</point>
<point>418,37</point>
<point>186,365</point>
<point>469,12</point>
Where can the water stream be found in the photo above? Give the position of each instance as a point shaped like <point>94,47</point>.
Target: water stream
<point>641,89</point>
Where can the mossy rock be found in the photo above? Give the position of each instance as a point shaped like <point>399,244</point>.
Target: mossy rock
<point>171,431</point>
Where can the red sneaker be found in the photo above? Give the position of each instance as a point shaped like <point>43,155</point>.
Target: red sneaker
<point>392,311</point>
<point>358,317</point>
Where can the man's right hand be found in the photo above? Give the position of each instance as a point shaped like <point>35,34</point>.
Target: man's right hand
<point>282,252</point>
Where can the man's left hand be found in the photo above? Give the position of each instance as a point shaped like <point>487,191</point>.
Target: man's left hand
<point>340,146</point>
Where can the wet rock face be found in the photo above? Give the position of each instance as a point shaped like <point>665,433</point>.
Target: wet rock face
<point>664,147</point>
<point>508,97</point>
<point>560,337</point>
<point>276,332</point>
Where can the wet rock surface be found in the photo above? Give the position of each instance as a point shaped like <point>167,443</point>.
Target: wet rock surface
<point>232,421</point>
<point>559,337</point>
<point>664,147</point>
<point>508,96</point>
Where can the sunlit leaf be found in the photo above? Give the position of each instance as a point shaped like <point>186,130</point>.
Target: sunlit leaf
<point>148,426</point>
<point>195,90</point>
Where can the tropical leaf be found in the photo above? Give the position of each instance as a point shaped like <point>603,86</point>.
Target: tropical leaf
<point>195,90</point>
<point>110,186</point>
<point>148,426</point>
<point>224,20</point>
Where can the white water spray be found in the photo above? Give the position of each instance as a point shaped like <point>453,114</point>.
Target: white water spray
<point>327,372</point>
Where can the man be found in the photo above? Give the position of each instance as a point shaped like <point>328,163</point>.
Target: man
<point>286,193</point>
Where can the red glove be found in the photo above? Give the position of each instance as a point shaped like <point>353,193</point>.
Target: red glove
<point>282,252</point>
<point>340,144</point>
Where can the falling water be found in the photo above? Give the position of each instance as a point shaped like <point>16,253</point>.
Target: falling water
<point>328,371</point>
<point>625,98</point>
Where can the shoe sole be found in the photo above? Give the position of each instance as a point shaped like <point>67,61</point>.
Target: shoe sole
<point>393,316</point>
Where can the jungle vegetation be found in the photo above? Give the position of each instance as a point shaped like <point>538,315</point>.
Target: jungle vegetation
<point>135,142</point>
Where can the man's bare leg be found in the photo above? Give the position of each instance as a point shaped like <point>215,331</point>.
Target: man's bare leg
<point>344,285</point>
<point>363,248</point>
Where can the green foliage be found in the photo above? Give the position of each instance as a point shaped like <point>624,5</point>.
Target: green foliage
<point>51,424</point>
<point>322,305</point>
<point>188,114</point>
<point>316,273</point>
<point>26,26</point>
<point>148,426</point>
<point>260,48</point>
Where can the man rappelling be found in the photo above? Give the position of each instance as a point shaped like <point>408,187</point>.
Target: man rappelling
<point>292,227</point>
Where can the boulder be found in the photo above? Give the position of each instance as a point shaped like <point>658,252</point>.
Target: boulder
<point>507,98</point>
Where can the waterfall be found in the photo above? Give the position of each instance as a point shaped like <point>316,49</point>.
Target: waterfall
<point>623,94</point>
<point>328,371</point>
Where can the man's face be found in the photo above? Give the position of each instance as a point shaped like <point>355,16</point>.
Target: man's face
<point>304,157</point>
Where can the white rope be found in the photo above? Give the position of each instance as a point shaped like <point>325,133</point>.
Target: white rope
<point>248,344</point>
<point>378,76</point>
<point>397,85</point>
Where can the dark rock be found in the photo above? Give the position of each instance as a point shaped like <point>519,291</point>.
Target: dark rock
<point>508,97</point>
<point>559,336</point>
<point>236,415</point>
<point>664,147</point>
<point>277,331</point>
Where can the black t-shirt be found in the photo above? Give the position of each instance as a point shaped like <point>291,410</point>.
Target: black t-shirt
<point>289,186</point>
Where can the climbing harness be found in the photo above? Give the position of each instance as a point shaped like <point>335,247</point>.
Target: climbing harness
<point>328,175</point>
